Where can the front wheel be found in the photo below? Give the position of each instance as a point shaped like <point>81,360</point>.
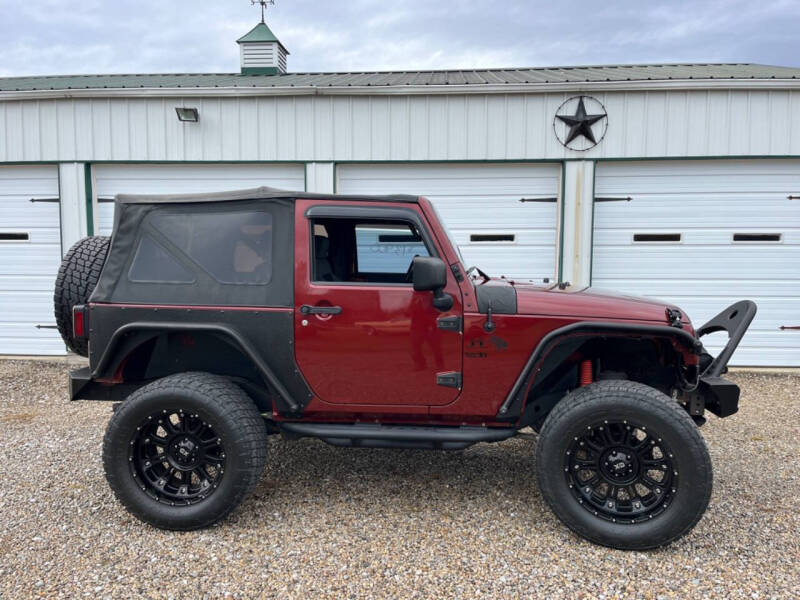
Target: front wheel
<point>623,465</point>
<point>183,451</point>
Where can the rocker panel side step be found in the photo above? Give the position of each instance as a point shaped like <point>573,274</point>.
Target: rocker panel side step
<point>396,436</point>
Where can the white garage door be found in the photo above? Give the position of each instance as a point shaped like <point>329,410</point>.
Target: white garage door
<point>30,254</point>
<point>502,216</point>
<point>704,234</point>
<point>110,180</point>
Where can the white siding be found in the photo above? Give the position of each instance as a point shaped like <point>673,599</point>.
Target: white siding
<point>28,268</point>
<point>479,199</point>
<point>110,180</point>
<point>706,202</point>
<point>399,128</point>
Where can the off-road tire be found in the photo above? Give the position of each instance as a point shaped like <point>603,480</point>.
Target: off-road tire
<point>76,280</point>
<point>632,402</point>
<point>235,420</point>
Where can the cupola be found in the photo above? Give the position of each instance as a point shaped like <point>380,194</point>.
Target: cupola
<point>261,52</point>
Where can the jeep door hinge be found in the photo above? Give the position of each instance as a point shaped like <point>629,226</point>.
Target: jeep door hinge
<point>449,379</point>
<point>449,323</point>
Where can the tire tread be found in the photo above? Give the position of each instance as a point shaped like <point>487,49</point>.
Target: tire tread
<point>77,277</point>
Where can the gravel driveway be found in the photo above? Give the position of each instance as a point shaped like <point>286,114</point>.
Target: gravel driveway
<point>342,523</point>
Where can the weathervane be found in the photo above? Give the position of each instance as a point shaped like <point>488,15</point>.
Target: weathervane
<point>263,4</point>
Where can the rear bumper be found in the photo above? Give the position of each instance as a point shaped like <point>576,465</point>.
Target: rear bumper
<point>83,387</point>
<point>78,380</point>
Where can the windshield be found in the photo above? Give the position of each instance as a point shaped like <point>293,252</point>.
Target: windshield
<point>447,233</point>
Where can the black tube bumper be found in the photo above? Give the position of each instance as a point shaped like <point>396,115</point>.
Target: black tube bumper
<point>719,395</point>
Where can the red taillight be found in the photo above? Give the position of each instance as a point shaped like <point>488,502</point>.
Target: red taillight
<point>79,322</point>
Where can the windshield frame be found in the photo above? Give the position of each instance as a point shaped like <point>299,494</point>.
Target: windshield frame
<point>447,233</point>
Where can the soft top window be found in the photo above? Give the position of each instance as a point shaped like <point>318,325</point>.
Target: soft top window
<point>234,247</point>
<point>153,264</point>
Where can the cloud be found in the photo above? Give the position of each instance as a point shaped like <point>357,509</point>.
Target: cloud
<point>91,36</point>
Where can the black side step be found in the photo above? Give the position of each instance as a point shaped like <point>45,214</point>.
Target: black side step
<point>367,435</point>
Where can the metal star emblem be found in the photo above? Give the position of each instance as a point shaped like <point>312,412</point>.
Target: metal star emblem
<point>580,123</point>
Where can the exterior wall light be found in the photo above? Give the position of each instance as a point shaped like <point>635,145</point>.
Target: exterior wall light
<point>187,115</point>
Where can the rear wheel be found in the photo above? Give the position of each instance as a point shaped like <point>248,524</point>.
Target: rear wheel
<point>623,465</point>
<point>182,452</point>
<point>77,277</point>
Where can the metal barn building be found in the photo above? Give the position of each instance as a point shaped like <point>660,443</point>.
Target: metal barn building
<point>679,181</point>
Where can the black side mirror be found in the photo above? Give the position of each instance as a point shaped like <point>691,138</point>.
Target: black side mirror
<point>430,274</point>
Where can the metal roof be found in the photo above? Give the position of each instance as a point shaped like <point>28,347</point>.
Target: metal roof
<point>394,79</point>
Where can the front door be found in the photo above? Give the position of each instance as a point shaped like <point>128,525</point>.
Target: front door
<point>362,334</point>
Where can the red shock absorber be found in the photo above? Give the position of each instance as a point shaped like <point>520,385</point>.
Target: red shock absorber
<point>586,372</point>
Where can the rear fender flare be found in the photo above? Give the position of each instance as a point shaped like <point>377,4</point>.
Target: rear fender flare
<point>111,359</point>
<point>511,408</point>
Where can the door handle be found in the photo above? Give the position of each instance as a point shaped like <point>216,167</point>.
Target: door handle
<point>307,309</point>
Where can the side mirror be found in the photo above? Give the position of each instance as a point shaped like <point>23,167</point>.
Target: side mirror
<point>430,274</point>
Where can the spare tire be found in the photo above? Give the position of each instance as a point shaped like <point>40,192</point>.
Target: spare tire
<point>77,278</point>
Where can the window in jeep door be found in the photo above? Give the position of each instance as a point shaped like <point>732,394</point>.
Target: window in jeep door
<point>359,251</point>
<point>234,247</point>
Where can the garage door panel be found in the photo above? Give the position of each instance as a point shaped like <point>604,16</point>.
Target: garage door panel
<point>110,180</point>
<point>696,213</point>
<point>50,236</point>
<point>686,262</point>
<point>28,267</point>
<point>723,237</point>
<point>541,238</point>
<point>33,283</point>
<point>503,214</point>
<point>28,305</point>
<point>19,212</point>
<point>480,199</point>
<point>707,203</point>
<point>21,259</point>
<point>26,339</point>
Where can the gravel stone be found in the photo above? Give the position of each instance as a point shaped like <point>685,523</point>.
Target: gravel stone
<point>359,523</point>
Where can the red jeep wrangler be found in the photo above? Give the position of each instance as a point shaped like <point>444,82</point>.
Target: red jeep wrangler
<point>223,318</point>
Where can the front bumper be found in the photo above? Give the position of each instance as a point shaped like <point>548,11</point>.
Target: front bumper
<point>715,393</point>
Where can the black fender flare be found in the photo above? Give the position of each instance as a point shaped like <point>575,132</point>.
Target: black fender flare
<point>152,329</point>
<point>511,408</point>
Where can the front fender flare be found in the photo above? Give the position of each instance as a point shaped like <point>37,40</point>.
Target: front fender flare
<point>511,408</point>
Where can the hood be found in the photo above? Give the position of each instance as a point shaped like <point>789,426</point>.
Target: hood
<point>590,303</point>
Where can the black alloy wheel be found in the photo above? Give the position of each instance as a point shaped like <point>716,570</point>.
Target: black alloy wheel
<point>177,457</point>
<point>620,471</point>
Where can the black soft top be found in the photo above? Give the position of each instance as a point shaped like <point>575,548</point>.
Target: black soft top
<point>259,193</point>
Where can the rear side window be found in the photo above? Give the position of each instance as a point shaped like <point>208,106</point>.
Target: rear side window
<point>153,264</point>
<point>234,247</point>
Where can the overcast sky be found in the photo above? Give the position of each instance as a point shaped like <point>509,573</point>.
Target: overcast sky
<point>42,37</point>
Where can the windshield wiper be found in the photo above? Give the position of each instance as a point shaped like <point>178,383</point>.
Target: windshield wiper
<point>481,273</point>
